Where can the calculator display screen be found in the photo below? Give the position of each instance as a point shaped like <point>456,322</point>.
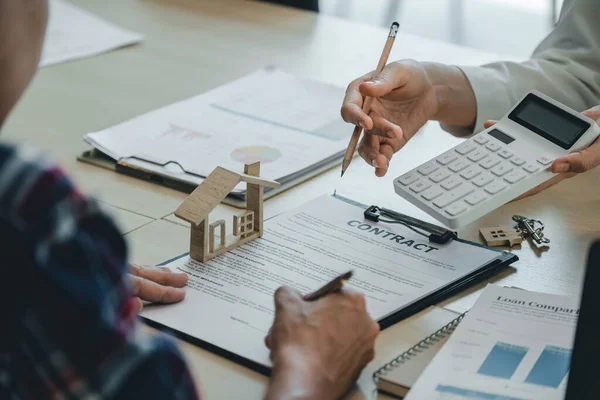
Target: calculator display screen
<point>549,121</point>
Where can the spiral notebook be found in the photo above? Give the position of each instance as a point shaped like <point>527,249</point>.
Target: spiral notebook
<point>399,375</point>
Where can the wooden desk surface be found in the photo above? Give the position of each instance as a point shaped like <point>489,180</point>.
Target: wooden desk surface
<point>195,45</point>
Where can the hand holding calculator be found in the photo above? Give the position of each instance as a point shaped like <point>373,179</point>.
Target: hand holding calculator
<point>498,164</point>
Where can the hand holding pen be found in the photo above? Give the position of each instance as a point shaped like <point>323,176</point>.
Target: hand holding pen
<point>304,331</point>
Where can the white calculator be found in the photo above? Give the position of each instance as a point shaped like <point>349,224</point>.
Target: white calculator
<point>498,164</point>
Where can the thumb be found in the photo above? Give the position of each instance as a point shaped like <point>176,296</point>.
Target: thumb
<point>593,113</point>
<point>286,297</point>
<point>579,162</point>
<point>489,122</point>
<point>393,76</point>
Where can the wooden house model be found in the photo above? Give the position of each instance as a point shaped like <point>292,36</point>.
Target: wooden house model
<point>246,227</point>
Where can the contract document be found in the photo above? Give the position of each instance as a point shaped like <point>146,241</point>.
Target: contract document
<point>229,301</point>
<point>73,33</point>
<point>513,345</point>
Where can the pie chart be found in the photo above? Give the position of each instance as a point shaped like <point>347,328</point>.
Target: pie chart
<point>251,154</point>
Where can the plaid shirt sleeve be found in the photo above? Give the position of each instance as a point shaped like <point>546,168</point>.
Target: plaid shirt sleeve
<point>71,329</point>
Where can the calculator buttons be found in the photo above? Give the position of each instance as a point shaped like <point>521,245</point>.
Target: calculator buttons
<point>421,185</point>
<point>505,154</point>
<point>515,176</point>
<point>451,183</point>
<point>493,146</point>
<point>495,187</point>
<point>456,208</point>
<point>458,165</point>
<point>450,197</point>
<point>482,180</point>
<point>481,139</point>
<point>409,178</point>
<point>475,198</point>
<point>432,193</point>
<point>518,161</point>
<point>466,147</point>
<point>531,168</point>
<point>490,162</point>
<point>502,169</point>
<point>477,155</point>
<point>471,172</point>
<point>544,160</point>
<point>439,176</point>
<point>428,169</point>
<point>447,158</point>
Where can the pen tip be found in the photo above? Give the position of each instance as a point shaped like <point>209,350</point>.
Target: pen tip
<point>342,175</point>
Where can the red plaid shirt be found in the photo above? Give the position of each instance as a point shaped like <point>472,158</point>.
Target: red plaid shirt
<point>68,327</point>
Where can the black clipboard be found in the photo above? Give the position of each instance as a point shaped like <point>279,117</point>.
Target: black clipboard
<point>484,272</point>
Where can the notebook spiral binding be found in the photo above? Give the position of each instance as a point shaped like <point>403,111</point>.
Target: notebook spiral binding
<point>424,344</point>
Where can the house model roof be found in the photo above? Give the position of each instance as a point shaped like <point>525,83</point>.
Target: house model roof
<point>212,191</point>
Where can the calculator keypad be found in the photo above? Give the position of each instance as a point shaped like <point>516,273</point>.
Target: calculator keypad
<point>447,158</point>
<point>421,185</point>
<point>502,169</point>
<point>439,176</point>
<point>490,162</point>
<point>428,168</point>
<point>471,172</point>
<point>458,165</point>
<point>477,155</point>
<point>468,175</point>
<point>493,146</point>
<point>518,161</point>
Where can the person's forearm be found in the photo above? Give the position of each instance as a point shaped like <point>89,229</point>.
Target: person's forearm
<point>293,379</point>
<point>455,98</point>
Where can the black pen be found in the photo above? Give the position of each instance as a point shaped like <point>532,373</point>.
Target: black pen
<point>334,286</point>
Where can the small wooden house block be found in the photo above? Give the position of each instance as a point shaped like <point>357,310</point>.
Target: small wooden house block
<point>501,236</point>
<point>246,227</point>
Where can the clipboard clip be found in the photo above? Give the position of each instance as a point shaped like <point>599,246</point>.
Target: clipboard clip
<point>434,233</point>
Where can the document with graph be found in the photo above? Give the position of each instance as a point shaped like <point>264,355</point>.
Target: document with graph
<point>513,345</point>
<point>290,124</point>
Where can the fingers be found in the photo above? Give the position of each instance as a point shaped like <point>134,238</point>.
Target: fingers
<point>383,127</point>
<point>489,123</point>
<point>151,291</point>
<point>160,275</point>
<point>137,305</point>
<point>393,76</point>
<point>578,162</point>
<point>353,102</point>
<point>353,113</point>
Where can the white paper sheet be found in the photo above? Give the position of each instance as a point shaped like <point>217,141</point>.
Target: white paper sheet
<point>229,300</point>
<point>513,345</point>
<point>73,33</point>
<point>287,123</point>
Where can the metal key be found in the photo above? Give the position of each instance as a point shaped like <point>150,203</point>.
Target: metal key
<point>533,228</point>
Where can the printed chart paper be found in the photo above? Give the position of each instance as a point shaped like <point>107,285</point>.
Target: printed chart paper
<point>513,345</point>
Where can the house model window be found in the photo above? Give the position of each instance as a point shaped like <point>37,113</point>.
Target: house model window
<point>246,227</point>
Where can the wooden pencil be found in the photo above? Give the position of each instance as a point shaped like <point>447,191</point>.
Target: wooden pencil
<point>368,100</point>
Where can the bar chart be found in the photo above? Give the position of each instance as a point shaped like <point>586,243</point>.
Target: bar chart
<point>551,367</point>
<point>503,360</point>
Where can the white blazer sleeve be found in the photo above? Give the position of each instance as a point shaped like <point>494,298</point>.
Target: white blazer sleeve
<point>565,66</point>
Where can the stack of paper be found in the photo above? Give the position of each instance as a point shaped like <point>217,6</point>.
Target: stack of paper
<point>291,125</point>
<point>74,33</point>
